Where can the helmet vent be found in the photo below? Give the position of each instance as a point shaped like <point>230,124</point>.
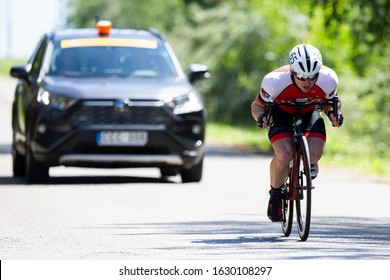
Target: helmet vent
<point>315,65</point>
<point>301,65</point>
<point>307,55</point>
<point>308,65</point>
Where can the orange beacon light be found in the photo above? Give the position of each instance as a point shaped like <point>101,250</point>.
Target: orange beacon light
<point>104,27</point>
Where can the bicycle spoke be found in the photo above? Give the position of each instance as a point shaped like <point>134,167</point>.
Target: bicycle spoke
<point>288,210</point>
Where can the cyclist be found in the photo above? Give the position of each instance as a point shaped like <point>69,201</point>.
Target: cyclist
<point>304,77</point>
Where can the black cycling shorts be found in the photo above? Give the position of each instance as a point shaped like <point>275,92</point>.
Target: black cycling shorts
<point>281,126</point>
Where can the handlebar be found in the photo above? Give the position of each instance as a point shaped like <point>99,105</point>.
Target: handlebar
<point>301,103</point>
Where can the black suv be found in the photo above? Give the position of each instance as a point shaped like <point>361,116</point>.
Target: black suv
<point>107,97</point>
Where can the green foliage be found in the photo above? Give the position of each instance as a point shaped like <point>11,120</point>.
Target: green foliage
<point>241,41</point>
<point>240,48</point>
<point>126,14</point>
<point>366,21</point>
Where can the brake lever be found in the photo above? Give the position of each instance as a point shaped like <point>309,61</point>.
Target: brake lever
<point>266,114</point>
<point>339,116</point>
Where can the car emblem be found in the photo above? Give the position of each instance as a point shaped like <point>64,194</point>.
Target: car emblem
<point>122,105</point>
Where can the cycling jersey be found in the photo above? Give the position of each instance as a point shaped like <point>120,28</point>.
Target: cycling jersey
<point>279,86</point>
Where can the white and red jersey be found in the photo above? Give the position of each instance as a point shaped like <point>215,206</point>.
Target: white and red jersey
<point>279,86</point>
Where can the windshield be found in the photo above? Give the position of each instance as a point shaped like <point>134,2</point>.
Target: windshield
<point>110,61</point>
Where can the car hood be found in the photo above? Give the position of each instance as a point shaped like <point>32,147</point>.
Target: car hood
<point>97,88</point>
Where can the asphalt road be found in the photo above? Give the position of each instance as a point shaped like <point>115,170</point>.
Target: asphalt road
<point>94,214</point>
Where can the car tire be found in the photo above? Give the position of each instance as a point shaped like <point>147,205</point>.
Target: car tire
<point>18,163</point>
<point>36,172</point>
<point>169,171</point>
<point>18,160</point>
<point>194,174</point>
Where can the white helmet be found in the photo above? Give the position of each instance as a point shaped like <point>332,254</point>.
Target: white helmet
<point>305,60</point>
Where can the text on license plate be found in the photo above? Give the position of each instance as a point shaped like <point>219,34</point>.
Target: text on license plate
<point>122,138</point>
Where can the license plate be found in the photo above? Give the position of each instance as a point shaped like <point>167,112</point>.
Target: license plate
<point>122,138</point>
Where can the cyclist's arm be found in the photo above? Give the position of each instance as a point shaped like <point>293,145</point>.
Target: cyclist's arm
<point>258,110</point>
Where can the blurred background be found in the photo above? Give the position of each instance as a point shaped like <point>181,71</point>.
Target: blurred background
<point>23,22</point>
<point>241,41</point>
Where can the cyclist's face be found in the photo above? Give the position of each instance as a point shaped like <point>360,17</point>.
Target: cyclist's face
<point>304,86</point>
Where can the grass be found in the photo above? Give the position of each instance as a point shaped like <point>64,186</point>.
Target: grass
<point>238,136</point>
<point>6,64</point>
<point>341,151</point>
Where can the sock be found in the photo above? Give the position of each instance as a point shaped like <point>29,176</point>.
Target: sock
<point>276,189</point>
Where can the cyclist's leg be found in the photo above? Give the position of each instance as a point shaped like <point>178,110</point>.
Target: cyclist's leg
<point>283,153</point>
<point>316,148</point>
<point>280,135</point>
<point>316,137</point>
<point>279,170</point>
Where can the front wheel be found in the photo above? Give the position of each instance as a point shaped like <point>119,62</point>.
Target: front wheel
<point>35,171</point>
<point>18,163</point>
<point>288,211</point>
<point>167,171</point>
<point>303,189</point>
<point>288,203</point>
<point>194,174</point>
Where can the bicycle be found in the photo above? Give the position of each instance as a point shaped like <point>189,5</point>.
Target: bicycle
<point>298,184</point>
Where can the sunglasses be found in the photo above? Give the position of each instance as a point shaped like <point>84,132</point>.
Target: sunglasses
<point>303,78</point>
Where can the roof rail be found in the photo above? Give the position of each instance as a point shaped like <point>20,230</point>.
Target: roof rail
<point>156,33</point>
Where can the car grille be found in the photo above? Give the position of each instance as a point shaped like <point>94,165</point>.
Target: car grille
<point>91,113</point>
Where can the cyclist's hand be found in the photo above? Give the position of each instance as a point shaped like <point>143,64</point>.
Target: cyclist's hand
<point>340,119</point>
<point>336,121</point>
<point>262,120</point>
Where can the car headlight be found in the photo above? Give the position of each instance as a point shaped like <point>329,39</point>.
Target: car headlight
<point>185,104</point>
<point>56,101</point>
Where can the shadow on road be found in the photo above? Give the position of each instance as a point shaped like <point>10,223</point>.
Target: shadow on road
<point>87,180</point>
<point>330,238</point>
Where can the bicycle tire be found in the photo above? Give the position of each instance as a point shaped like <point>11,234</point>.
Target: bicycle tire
<point>303,189</point>
<point>288,205</point>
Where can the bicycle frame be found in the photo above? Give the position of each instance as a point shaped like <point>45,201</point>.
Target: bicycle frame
<point>298,138</point>
<point>298,183</point>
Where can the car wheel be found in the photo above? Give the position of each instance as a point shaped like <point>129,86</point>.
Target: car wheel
<point>169,171</point>
<point>194,174</point>
<point>35,171</point>
<point>18,163</point>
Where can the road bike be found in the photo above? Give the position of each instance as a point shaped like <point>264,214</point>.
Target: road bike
<point>298,184</point>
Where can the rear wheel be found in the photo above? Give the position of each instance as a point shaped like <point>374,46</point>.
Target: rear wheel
<point>194,174</point>
<point>303,193</point>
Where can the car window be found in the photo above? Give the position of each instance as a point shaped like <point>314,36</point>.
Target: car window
<point>109,61</point>
<point>37,59</point>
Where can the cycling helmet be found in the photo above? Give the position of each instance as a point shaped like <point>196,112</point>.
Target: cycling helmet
<point>305,59</point>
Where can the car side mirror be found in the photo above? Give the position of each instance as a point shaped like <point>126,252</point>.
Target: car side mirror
<point>198,72</point>
<point>19,72</point>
